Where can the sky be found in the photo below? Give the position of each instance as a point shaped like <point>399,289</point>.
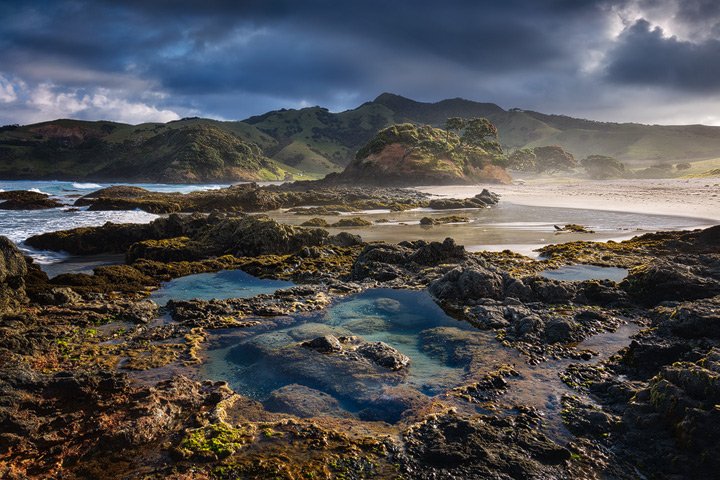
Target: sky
<point>649,61</point>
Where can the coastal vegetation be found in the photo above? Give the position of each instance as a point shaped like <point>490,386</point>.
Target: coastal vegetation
<point>312,142</point>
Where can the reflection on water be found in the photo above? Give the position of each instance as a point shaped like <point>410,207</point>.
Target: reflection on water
<point>444,353</point>
<point>520,228</point>
<point>81,264</point>
<point>258,362</point>
<point>575,273</point>
<point>218,285</point>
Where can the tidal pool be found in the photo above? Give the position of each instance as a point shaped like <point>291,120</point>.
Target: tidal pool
<point>269,362</point>
<point>258,363</point>
<point>575,273</point>
<point>219,285</point>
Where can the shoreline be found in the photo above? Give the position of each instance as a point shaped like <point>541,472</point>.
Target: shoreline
<point>690,198</point>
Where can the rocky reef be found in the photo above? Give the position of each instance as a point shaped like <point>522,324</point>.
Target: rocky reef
<point>26,200</point>
<point>309,198</point>
<point>98,381</point>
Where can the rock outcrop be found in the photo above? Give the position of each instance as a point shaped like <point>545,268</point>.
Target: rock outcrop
<point>408,155</point>
<point>13,270</point>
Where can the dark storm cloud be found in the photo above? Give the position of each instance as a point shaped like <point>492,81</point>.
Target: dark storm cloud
<point>237,58</point>
<point>645,56</point>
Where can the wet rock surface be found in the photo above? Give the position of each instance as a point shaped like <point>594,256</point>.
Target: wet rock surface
<point>95,383</point>
<point>26,200</point>
<point>308,197</point>
<point>13,271</point>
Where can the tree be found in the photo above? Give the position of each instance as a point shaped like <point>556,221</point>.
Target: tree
<point>480,132</point>
<point>453,124</point>
<point>602,167</point>
<point>523,160</point>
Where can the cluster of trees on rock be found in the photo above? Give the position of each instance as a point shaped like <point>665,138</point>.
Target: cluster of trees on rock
<point>554,159</point>
<point>477,132</point>
<point>546,159</point>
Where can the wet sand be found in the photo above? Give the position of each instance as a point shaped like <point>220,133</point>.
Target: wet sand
<point>696,198</point>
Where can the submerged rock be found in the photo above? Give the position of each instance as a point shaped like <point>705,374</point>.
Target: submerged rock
<point>324,344</point>
<point>384,355</point>
<point>304,402</point>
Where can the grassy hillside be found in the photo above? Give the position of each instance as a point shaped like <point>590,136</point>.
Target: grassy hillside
<point>314,141</point>
<point>318,141</point>
<point>188,151</point>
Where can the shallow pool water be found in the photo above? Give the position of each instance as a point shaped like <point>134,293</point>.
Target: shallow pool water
<point>443,353</point>
<point>269,363</point>
<point>219,285</point>
<point>575,273</point>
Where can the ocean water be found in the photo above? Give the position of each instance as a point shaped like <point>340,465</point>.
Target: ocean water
<point>505,226</point>
<point>18,225</point>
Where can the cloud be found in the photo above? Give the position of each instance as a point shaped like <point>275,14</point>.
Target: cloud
<point>7,91</point>
<point>97,105</point>
<point>645,56</point>
<point>25,104</point>
<point>230,59</point>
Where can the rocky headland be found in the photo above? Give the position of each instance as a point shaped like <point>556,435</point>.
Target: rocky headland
<point>408,155</point>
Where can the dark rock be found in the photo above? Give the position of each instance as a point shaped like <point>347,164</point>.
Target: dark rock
<point>467,284</point>
<point>449,445</point>
<point>315,222</point>
<point>324,344</point>
<point>664,280</point>
<point>351,222</point>
<point>25,200</point>
<point>304,402</point>
<point>13,270</point>
<point>527,325</point>
<point>697,319</point>
<point>345,239</point>
<point>384,355</point>
<point>558,330</point>
<point>584,419</point>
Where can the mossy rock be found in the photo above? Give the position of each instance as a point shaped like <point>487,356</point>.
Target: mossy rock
<point>214,442</point>
<point>315,222</point>
<point>352,222</point>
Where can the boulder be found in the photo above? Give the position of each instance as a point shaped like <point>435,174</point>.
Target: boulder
<point>304,402</point>
<point>13,270</point>
<point>324,344</point>
<point>384,355</point>
<point>25,200</point>
<point>664,280</point>
<point>462,285</point>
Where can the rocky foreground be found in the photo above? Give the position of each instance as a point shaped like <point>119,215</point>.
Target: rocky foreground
<point>93,387</point>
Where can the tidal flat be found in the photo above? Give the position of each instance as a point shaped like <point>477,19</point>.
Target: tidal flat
<point>242,345</point>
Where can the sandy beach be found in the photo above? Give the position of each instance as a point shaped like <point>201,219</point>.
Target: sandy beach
<point>696,198</point>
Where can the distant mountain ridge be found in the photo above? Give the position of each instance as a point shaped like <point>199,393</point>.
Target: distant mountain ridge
<point>312,142</point>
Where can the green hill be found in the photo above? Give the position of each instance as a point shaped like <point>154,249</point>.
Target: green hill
<point>192,151</point>
<point>312,142</point>
<point>317,140</point>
